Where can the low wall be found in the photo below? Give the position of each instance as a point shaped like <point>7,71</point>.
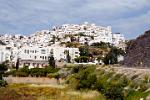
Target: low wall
<point>32,80</point>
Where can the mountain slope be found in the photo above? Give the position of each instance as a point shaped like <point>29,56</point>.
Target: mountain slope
<point>138,51</point>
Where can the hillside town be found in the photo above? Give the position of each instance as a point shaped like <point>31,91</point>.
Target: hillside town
<point>35,50</point>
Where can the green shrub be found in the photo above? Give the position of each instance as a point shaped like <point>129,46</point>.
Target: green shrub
<point>84,77</point>
<point>146,79</point>
<point>3,83</point>
<point>11,72</point>
<point>34,72</point>
<point>54,75</point>
<point>21,74</point>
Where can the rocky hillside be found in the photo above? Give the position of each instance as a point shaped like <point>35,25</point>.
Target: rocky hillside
<point>138,51</point>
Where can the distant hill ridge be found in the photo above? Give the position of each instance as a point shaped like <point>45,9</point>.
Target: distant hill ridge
<point>138,51</point>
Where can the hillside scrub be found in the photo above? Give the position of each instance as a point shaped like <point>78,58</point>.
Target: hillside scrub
<point>113,86</point>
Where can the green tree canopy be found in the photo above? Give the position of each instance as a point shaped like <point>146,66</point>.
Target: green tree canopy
<point>112,56</point>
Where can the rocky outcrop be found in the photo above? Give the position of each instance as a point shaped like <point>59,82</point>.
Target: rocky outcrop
<point>138,51</point>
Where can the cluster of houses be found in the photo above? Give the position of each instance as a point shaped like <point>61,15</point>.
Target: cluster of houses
<point>34,50</point>
<point>36,56</point>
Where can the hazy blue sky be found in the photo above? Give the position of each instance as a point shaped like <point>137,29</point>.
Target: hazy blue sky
<point>130,17</point>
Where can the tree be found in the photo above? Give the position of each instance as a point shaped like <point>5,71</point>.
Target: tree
<point>53,39</point>
<point>84,51</point>
<point>68,58</point>
<point>17,63</point>
<point>72,38</point>
<point>112,56</point>
<point>3,68</point>
<point>52,61</point>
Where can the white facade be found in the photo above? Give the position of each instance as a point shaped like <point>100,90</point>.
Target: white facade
<point>35,56</point>
<point>5,54</point>
<point>41,55</point>
<point>118,40</point>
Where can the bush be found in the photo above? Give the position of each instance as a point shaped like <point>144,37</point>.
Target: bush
<point>49,69</point>
<point>82,59</point>
<point>3,83</point>
<point>101,45</point>
<point>113,86</point>
<point>84,77</point>
<point>54,75</point>
<point>114,91</point>
<point>34,72</point>
<point>21,74</point>
<point>11,72</point>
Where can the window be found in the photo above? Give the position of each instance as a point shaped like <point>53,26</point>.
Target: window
<point>28,51</point>
<point>34,64</point>
<point>76,52</point>
<point>52,51</point>
<point>43,51</point>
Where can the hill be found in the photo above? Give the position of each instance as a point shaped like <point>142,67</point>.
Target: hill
<point>138,51</point>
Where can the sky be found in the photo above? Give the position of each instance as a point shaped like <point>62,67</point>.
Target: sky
<point>129,17</point>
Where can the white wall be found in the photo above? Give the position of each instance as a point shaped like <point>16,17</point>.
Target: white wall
<point>4,54</point>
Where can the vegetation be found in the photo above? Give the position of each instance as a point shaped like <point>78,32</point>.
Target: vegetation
<point>68,58</point>
<point>101,45</point>
<point>35,92</point>
<point>112,56</point>
<point>100,51</point>
<point>81,78</point>
<point>113,86</point>
<point>3,68</point>
<point>71,44</point>
<point>52,61</point>
<point>82,59</point>
<point>17,64</point>
<point>84,55</point>
<point>34,72</point>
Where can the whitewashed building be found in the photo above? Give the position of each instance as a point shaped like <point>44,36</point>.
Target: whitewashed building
<point>38,56</point>
<point>5,53</point>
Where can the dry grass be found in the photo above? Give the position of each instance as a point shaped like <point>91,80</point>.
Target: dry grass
<point>35,92</point>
